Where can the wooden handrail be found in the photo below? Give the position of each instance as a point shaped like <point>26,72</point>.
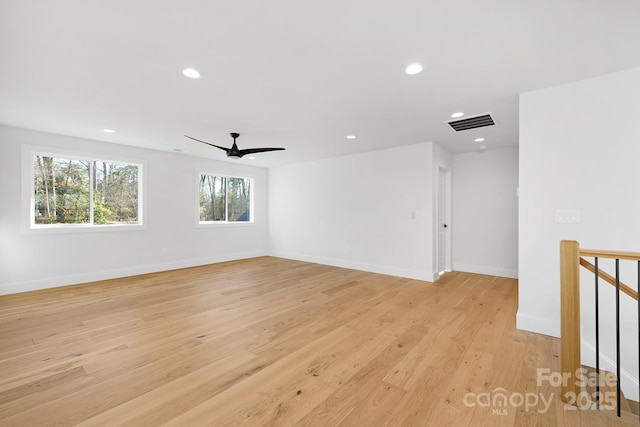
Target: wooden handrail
<point>633,256</point>
<point>608,278</point>
<point>570,262</point>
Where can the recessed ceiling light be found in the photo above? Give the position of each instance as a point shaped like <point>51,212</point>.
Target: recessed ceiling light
<point>191,73</point>
<point>414,68</point>
<point>351,137</point>
<point>456,115</point>
<point>479,139</point>
<point>109,130</point>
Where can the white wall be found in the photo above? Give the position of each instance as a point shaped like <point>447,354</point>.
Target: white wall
<point>356,211</point>
<point>373,211</point>
<point>485,212</point>
<point>30,260</point>
<point>579,149</point>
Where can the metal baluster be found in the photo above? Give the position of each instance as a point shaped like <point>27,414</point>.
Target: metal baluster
<point>618,335</point>
<point>598,338</point>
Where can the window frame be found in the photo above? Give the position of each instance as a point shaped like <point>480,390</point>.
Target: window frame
<point>215,224</point>
<point>28,154</point>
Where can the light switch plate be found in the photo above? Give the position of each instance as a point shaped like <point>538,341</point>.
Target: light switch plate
<point>567,216</point>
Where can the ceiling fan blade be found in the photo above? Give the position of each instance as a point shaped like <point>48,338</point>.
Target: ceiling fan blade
<point>208,143</point>
<point>259,150</point>
<point>234,152</point>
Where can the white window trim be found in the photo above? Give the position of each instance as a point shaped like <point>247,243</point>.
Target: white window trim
<point>218,224</point>
<point>28,198</point>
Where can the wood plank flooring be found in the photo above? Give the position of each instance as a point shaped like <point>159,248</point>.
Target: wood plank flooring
<point>275,342</point>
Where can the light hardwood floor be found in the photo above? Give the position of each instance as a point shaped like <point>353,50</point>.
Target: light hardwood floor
<point>269,341</point>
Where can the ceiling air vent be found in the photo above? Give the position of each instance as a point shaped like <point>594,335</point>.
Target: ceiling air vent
<point>472,122</point>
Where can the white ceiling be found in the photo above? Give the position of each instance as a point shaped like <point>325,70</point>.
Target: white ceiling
<point>297,74</point>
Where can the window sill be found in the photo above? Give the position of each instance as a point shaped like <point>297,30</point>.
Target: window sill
<point>83,228</point>
<point>222,224</point>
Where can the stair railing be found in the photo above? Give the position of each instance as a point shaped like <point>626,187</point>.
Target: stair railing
<point>570,262</point>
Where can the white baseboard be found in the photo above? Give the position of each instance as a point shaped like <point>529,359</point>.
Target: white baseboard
<point>538,325</point>
<point>480,269</point>
<point>355,265</point>
<point>73,279</point>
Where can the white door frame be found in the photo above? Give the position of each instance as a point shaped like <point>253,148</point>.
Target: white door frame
<point>446,170</point>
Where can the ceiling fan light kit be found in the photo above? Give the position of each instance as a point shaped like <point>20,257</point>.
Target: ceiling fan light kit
<point>234,152</point>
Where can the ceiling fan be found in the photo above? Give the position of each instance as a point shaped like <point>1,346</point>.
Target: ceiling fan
<point>234,152</point>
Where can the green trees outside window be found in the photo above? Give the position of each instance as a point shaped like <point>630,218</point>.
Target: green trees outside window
<point>225,199</point>
<point>79,191</point>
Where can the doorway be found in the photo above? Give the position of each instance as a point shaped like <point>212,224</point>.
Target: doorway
<point>443,220</point>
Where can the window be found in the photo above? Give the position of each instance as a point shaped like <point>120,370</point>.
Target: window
<point>225,199</point>
<point>73,191</point>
